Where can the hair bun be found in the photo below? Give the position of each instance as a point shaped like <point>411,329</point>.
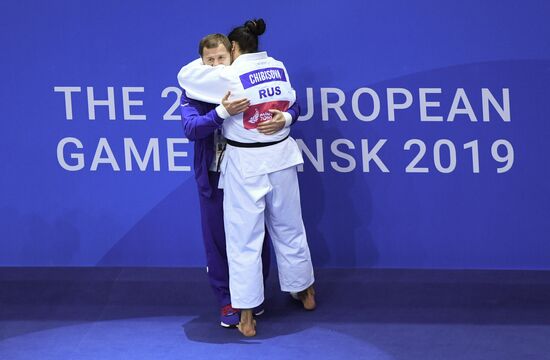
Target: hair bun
<point>256,26</point>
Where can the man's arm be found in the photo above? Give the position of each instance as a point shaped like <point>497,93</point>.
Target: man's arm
<point>203,82</point>
<point>198,126</point>
<point>280,120</point>
<point>294,112</point>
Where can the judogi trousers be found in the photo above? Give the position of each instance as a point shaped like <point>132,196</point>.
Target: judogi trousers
<point>215,242</point>
<point>250,202</point>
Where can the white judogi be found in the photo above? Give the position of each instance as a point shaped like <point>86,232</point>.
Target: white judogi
<point>260,184</point>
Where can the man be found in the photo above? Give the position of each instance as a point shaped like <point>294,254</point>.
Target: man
<point>202,124</point>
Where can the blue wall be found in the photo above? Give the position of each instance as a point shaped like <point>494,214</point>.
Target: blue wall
<point>452,216</point>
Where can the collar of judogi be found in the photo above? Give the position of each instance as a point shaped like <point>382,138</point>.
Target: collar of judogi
<point>251,56</point>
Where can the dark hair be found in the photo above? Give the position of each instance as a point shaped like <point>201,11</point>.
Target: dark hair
<point>213,41</point>
<point>247,35</point>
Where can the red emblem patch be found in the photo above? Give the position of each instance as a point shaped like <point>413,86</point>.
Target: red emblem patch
<point>258,113</point>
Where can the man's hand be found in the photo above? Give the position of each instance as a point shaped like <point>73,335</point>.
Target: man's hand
<point>274,125</point>
<point>234,107</point>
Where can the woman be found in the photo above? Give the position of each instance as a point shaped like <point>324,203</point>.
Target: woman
<point>258,172</point>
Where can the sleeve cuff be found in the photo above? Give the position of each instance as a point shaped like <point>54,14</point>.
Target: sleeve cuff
<point>288,119</point>
<point>220,110</point>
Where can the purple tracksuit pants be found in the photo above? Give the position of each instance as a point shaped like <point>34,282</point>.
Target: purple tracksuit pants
<point>213,235</point>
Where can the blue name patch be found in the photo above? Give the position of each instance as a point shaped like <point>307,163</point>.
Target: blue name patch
<point>262,76</point>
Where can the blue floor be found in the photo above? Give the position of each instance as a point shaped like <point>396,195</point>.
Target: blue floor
<point>114,313</point>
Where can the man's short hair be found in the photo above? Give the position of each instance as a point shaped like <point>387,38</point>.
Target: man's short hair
<point>213,41</point>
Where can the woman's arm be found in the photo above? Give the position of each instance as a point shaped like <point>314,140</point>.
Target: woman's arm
<point>203,82</point>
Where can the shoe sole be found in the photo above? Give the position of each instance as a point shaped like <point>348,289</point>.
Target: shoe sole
<point>227,326</point>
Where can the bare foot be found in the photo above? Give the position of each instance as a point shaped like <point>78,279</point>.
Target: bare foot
<point>247,325</point>
<point>307,297</point>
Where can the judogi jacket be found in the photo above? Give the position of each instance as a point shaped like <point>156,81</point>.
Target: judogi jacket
<point>265,82</point>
